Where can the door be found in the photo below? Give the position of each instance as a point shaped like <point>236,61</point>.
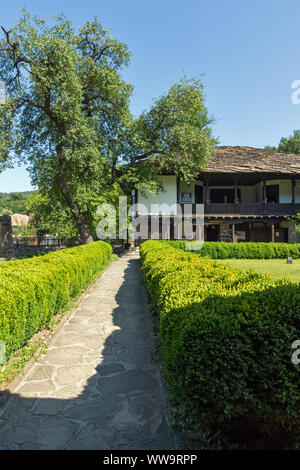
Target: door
<point>284,235</point>
<point>198,194</point>
<point>272,193</point>
<point>260,232</point>
<point>212,233</point>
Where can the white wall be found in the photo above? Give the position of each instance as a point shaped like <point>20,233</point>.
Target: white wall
<point>285,190</point>
<point>168,196</point>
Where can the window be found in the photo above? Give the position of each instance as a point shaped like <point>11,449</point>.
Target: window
<point>272,193</point>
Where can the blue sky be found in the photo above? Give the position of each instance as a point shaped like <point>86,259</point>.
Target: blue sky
<point>248,51</point>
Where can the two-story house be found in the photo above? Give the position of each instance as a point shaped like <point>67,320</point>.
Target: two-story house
<point>248,194</point>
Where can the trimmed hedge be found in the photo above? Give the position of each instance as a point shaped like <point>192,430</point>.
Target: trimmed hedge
<point>244,250</point>
<point>33,290</point>
<point>226,340</point>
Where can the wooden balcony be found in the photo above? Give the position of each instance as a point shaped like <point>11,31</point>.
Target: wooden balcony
<point>255,208</point>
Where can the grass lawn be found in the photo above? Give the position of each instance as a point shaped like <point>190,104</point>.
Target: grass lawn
<point>277,268</point>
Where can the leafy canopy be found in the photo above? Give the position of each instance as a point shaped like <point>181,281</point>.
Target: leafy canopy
<point>14,203</point>
<point>67,116</point>
<point>289,144</point>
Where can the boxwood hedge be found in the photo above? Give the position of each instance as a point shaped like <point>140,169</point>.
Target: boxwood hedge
<point>33,290</point>
<point>226,340</point>
<point>247,250</point>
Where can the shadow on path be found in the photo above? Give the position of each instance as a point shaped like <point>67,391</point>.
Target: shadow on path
<point>95,388</point>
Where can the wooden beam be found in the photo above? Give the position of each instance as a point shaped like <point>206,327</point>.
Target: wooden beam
<point>235,190</point>
<point>207,191</point>
<point>293,191</point>
<point>264,191</point>
<point>233,233</point>
<point>178,189</point>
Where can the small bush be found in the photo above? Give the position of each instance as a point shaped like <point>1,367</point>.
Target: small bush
<point>33,290</point>
<point>244,250</point>
<point>226,340</point>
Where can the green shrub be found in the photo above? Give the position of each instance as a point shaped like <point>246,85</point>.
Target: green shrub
<point>226,339</point>
<point>33,290</point>
<point>244,250</point>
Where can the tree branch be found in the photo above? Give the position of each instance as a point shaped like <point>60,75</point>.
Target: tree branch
<point>18,59</point>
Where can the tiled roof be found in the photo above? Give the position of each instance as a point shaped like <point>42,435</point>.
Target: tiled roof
<point>228,159</point>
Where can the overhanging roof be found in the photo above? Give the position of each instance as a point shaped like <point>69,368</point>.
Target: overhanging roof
<point>242,160</point>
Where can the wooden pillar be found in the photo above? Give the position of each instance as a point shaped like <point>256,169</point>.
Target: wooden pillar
<point>264,191</point>
<point>273,232</point>
<point>235,190</point>
<point>207,191</point>
<point>233,233</point>
<point>178,218</point>
<point>293,191</point>
<point>178,189</point>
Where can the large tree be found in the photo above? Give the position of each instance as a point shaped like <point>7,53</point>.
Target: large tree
<point>67,116</point>
<point>290,144</point>
<point>49,214</point>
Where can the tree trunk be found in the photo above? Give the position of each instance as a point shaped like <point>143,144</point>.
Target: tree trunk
<point>83,229</point>
<point>81,218</point>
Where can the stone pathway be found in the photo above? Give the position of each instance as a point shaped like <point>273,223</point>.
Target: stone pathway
<point>96,387</point>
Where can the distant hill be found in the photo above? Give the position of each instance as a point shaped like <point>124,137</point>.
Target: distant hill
<point>12,203</point>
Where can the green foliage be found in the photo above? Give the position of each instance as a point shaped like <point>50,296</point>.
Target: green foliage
<point>247,250</point>
<point>290,144</point>
<point>226,340</point>
<point>67,116</point>
<point>49,215</point>
<point>14,203</point>
<point>33,290</point>
<point>176,133</point>
<point>297,223</point>
<point>270,147</point>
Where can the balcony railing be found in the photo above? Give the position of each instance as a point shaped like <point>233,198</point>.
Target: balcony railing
<point>251,208</point>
